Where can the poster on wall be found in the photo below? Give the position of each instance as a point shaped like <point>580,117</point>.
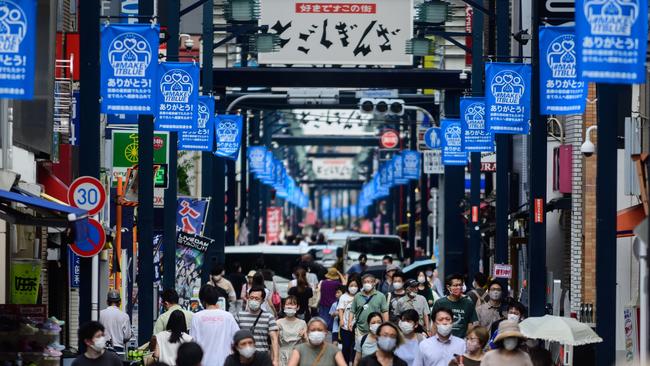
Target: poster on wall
<point>190,251</point>
<point>25,279</point>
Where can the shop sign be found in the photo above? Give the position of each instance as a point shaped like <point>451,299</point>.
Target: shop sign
<point>25,278</point>
<point>502,271</point>
<point>273,224</point>
<point>125,152</point>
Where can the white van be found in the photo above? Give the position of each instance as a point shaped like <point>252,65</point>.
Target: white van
<point>375,247</point>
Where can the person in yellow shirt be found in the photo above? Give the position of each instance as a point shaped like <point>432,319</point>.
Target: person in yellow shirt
<point>170,302</point>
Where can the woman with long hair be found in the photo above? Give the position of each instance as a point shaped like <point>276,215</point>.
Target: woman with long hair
<point>168,341</point>
<point>345,318</point>
<point>303,292</point>
<point>424,289</point>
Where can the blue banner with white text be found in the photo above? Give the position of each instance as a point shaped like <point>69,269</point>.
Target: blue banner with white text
<point>17,48</point>
<point>507,97</point>
<point>202,138</point>
<point>477,136</point>
<point>613,38</point>
<point>228,132</point>
<point>453,152</point>
<point>561,91</point>
<point>129,66</point>
<point>177,96</point>
<point>411,164</point>
<point>256,156</point>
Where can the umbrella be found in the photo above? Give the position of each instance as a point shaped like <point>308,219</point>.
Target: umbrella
<point>417,264</point>
<point>559,329</point>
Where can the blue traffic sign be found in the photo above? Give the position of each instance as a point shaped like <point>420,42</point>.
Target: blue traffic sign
<point>432,138</point>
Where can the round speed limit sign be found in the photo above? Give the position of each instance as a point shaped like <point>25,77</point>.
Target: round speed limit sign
<point>87,193</point>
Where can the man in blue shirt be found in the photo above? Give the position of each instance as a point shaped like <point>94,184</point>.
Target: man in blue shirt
<point>439,349</point>
<point>359,267</point>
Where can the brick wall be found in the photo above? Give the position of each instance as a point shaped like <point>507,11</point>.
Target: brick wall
<point>589,207</point>
<point>573,136</point>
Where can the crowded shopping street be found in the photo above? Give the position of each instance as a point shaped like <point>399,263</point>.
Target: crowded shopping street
<point>324,183</point>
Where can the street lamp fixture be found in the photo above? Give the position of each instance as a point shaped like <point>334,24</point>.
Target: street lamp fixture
<point>264,42</point>
<point>434,12</point>
<point>242,10</point>
<point>420,46</point>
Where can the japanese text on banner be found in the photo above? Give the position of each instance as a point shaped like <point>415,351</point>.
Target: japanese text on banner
<point>228,133</point>
<point>177,96</point>
<point>453,152</point>
<point>476,134</point>
<point>203,137</point>
<point>507,97</point>
<point>17,49</point>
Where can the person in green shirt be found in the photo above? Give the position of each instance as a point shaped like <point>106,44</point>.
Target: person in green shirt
<point>462,306</point>
<point>170,302</point>
<point>367,301</point>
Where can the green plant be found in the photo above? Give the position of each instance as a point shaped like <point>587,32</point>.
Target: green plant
<point>186,163</point>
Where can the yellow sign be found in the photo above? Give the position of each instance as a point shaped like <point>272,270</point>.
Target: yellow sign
<point>25,280</point>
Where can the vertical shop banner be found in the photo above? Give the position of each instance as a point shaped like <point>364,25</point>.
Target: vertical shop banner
<point>229,128</point>
<point>17,48</point>
<point>177,96</point>
<point>507,97</point>
<point>411,164</point>
<point>256,155</point>
<point>561,90</point>
<point>202,138</point>
<point>25,280</point>
<point>129,65</point>
<point>390,173</point>
<point>190,214</point>
<point>273,224</point>
<point>190,250</point>
<point>477,136</point>
<point>398,165</point>
<point>74,269</point>
<point>453,152</point>
<point>613,38</point>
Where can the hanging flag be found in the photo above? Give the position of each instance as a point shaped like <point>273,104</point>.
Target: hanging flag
<point>411,164</point>
<point>256,155</point>
<point>202,138</point>
<point>452,143</point>
<point>507,97</point>
<point>17,46</point>
<point>561,90</point>
<point>129,66</point>
<point>228,129</point>
<point>477,137</point>
<point>190,215</point>
<point>177,96</point>
<point>398,165</point>
<point>613,38</point>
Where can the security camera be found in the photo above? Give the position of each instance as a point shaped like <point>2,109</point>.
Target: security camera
<point>189,44</point>
<point>587,149</point>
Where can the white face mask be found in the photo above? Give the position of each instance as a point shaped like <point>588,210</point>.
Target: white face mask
<point>247,352</point>
<point>398,285</point>
<point>386,344</point>
<point>510,343</point>
<point>421,279</point>
<point>464,288</point>
<point>367,287</point>
<point>429,273</point>
<point>444,329</point>
<point>100,344</point>
<point>353,290</point>
<point>254,305</point>
<point>373,328</point>
<point>406,327</point>
<point>290,311</point>
<point>316,338</point>
<point>513,317</point>
<point>495,295</point>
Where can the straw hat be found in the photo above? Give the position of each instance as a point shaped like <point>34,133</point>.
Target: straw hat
<point>251,274</point>
<point>332,274</point>
<point>507,329</point>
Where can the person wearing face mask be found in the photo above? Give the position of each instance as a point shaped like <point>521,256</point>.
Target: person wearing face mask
<point>244,352</point>
<point>398,292</point>
<point>92,335</point>
<point>367,345</point>
<point>507,351</point>
<point>415,302</point>
<point>476,340</point>
<point>409,325</point>
<point>490,311</point>
<point>388,339</point>
<point>461,306</point>
<point>317,351</point>
<point>478,294</point>
<point>292,330</point>
<point>424,289</point>
<point>345,318</point>
<point>365,302</point>
<point>515,311</point>
<point>261,323</point>
<point>217,279</point>
<point>440,348</point>
<point>387,285</point>
<point>361,266</point>
<point>436,283</point>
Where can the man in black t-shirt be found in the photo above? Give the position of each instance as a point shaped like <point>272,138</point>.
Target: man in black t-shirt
<point>92,335</point>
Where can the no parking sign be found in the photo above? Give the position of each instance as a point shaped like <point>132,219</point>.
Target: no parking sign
<point>94,242</point>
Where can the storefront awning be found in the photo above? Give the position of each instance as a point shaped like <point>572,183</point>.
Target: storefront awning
<point>627,219</point>
<point>49,214</point>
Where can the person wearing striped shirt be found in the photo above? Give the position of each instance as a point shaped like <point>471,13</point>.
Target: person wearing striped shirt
<point>262,324</point>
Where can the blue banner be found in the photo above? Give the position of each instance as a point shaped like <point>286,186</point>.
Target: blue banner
<point>613,38</point>
<point>561,91</point>
<point>256,156</point>
<point>453,152</point>
<point>432,137</point>
<point>190,214</point>
<point>203,137</point>
<point>177,96</point>
<point>228,134</point>
<point>411,164</point>
<point>121,119</point>
<point>477,138</point>
<point>398,165</point>
<point>17,48</point>
<point>507,97</point>
<point>268,174</point>
<point>129,66</point>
